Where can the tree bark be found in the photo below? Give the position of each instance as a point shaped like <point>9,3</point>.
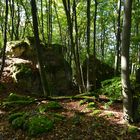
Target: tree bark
<point>118,37</point>
<point>5,40</point>
<point>94,46</point>
<point>70,29</point>
<point>88,43</point>
<point>42,22</point>
<point>126,88</point>
<point>12,9</point>
<point>79,69</point>
<point>38,50</point>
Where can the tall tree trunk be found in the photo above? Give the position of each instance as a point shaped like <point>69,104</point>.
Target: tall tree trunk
<point>59,24</point>
<point>88,43</point>
<point>12,9</point>
<point>18,22</point>
<point>42,22</point>
<point>118,37</point>
<point>70,29</point>
<point>50,22</point>
<point>94,46</point>
<point>126,88</point>
<point>102,44</point>
<point>81,80</point>
<point>5,40</point>
<point>38,50</point>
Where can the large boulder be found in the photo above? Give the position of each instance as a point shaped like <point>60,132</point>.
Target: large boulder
<point>25,73</point>
<point>102,70</point>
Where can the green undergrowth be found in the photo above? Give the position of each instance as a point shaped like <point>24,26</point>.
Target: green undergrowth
<point>38,121</point>
<point>33,124</point>
<point>52,105</point>
<point>14,99</point>
<point>112,88</point>
<point>132,129</point>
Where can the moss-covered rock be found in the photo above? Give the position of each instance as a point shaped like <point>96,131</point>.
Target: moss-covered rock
<point>103,71</point>
<point>26,74</point>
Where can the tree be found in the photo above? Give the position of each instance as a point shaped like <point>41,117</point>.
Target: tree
<point>118,37</point>
<point>88,42</point>
<point>94,46</point>
<point>38,50</point>
<point>74,53</point>
<point>126,88</point>
<point>5,39</point>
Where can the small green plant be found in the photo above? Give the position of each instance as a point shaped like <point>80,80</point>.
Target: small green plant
<point>42,108</point>
<point>112,88</point>
<point>38,124</point>
<point>34,124</point>
<point>110,114</point>
<point>132,129</point>
<point>96,112</point>
<point>108,104</point>
<point>50,105</point>
<point>92,105</point>
<point>18,119</point>
<point>15,115</point>
<point>83,102</point>
<point>53,105</point>
<point>14,99</point>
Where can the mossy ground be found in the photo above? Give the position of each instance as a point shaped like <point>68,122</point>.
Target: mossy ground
<point>66,119</point>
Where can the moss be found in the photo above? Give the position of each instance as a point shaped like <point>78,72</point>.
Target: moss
<point>50,105</point>
<point>96,112</point>
<point>91,105</point>
<point>14,100</point>
<point>21,71</point>
<point>34,124</point>
<point>83,101</point>
<point>38,124</point>
<point>17,120</point>
<point>53,105</point>
<point>16,97</point>
<point>132,129</point>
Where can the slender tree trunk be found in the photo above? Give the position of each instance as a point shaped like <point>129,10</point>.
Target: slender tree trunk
<point>126,89</point>
<point>94,46</point>
<point>50,22</point>
<point>12,9</point>
<point>27,20</point>
<point>5,40</point>
<point>59,24</point>
<point>67,8</point>
<point>118,37</point>
<point>38,50</point>
<point>102,44</point>
<point>18,23</point>
<point>42,22</point>
<point>88,43</point>
<point>81,80</point>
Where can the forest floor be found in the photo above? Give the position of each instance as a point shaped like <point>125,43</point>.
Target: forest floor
<point>80,122</point>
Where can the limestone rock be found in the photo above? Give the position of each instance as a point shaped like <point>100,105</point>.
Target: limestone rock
<point>25,73</point>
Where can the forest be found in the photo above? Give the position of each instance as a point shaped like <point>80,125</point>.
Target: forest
<point>69,70</point>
